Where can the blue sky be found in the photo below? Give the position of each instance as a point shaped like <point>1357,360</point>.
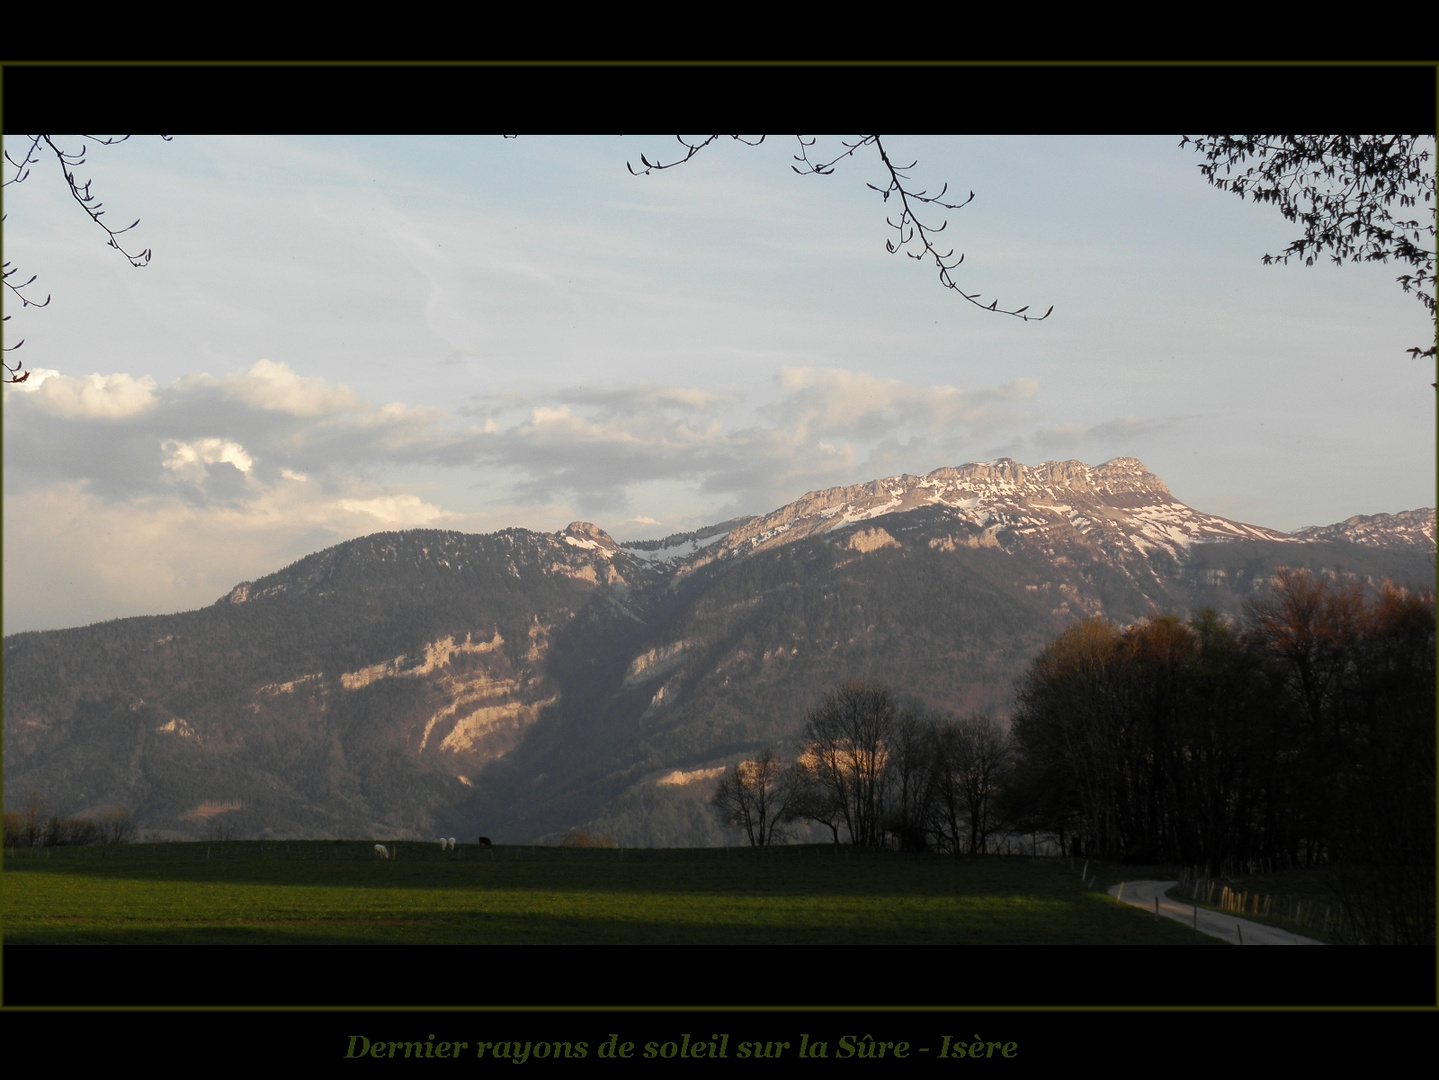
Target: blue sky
<point>339,336</point>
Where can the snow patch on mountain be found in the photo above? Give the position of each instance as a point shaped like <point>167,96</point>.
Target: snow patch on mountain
<point>673,553</point>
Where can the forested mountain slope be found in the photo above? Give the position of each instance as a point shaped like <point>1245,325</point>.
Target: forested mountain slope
<point>519,683</point>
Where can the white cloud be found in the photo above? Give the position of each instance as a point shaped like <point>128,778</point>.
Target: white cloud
<point>268,423</point>
<point>589,446</point>
<point>90,397</point>
<point>827,427</point>
<point>73,557</point>
<point>402,511</point>
<point>190,459</point>
<point>275,388</point>
<point>32,380</point>
<point>833,401</point>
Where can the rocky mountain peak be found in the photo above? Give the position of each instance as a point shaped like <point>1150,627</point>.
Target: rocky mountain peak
<point>1119,498</point>
<point>1119,476</point>
<point>584,534</point>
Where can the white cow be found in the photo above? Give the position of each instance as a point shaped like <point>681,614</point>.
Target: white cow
<point>444,843</point>
<point>451,843</point>
<point>381,851</point>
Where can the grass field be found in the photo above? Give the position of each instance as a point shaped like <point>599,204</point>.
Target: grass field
<point>337,892</point>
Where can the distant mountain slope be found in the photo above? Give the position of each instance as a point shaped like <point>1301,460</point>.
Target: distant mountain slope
<point>519,683</point>
<point>1411,528</point>
<point>681,545</point>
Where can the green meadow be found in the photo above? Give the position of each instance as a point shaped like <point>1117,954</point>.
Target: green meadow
<point>338,892</point>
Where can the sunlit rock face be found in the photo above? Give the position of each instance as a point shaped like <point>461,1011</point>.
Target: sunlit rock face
<point>1119,502</point>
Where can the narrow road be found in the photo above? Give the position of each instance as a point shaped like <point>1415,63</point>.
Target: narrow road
<point>1220,924</point>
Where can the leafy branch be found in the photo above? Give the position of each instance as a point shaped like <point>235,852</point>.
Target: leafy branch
<point>913,235</point>
<point>1342,189</point>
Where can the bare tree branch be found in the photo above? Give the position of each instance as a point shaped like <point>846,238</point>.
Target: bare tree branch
<point>691,149</point>
<point>70,162</point>
<point>911,232</point>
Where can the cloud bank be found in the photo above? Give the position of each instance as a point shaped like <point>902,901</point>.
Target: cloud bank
<point>126,497</point>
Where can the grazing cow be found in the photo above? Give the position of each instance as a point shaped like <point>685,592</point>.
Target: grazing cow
<point>381,851</point>
<point>444,843</point>
<point>485,842</point>
<point>451,843</point>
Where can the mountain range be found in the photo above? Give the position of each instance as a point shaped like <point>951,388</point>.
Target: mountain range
<point>519,684</point>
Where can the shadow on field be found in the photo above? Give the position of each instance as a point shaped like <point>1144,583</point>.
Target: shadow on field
<point>739,929</point>
<point>797,870</point>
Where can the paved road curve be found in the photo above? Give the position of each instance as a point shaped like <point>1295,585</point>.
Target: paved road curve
<point>1220,924</point>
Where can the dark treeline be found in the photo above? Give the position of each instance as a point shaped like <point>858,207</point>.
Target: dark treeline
<point>1302,736</point>
<point>876,774</point>
<point>32,828</point>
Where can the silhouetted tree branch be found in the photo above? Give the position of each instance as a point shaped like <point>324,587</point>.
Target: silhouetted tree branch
<point>913,236</point>
<point>1342,189</point>
<point>40,148</point>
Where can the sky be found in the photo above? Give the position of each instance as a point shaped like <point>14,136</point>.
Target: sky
<point>338,336</point>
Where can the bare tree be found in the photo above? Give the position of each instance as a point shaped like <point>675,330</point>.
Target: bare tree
<point>913,234</point>
<point>754,796</point>
<point>32,829</point>
<point>910,780</point>
<point>972,759</point>
<point>38,149</point>
<point>1311,625</point>
<point>811,799</point>
<point>116,827</point>
<point>847,741</point>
